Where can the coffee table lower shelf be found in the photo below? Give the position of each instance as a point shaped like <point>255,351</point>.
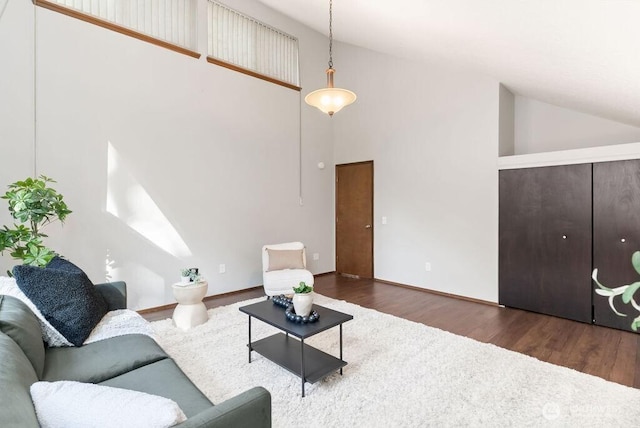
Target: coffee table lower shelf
<point>285,351</point>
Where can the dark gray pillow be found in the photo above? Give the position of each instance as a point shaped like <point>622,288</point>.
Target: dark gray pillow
<point>63,264</point>
<point>65,296</point>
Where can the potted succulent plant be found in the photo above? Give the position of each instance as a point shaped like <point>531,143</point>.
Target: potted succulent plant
<point>303,299</point>
<point>34,205</point>
<point>185,276</point>
<point>189,276</point>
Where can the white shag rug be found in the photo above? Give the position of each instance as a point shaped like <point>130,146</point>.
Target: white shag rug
<point>399,374</point>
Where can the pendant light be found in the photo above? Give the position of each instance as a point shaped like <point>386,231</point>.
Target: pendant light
<point>330,100</point>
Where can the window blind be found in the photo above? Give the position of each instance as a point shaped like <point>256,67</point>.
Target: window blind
<point>238,39</point>
<point>172,21</point>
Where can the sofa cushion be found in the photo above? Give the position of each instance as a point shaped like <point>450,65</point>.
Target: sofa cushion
<point>164,378</point>
<point>16,376</point>
<point>66,298</point>
<point>22,326</point>
<point>114,293</point>
<point>50,335</point>
<point>101,406</point>
<point>98,361</point>
<point>285,259</point>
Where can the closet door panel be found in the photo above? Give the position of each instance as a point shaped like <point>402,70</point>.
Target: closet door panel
<point>616,235</point>
<point>545,240</point>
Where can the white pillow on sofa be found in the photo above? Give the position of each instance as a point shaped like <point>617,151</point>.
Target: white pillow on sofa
<point>66,404</point>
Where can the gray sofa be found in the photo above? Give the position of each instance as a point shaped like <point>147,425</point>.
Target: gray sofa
<point>132,361</point>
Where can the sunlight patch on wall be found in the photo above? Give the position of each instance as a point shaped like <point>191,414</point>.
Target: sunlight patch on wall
<point>129,201</point>
<point>145,288</point>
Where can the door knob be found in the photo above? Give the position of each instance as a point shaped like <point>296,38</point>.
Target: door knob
<point>368,226</point>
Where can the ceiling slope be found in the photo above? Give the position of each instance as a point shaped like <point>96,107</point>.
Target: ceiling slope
<point>578,54</point>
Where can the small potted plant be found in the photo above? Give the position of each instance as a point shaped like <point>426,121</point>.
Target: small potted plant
<point>185,276</point>
<point>195,277</point>
<point>303,299</point>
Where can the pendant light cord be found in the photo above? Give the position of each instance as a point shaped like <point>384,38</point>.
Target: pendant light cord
<point>300,199</point>
<point>35,92</point>
<point>4,8</point>
<point>330,33</point>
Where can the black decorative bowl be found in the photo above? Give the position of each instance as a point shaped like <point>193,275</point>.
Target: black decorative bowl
<point>281,300</point>
<point>290,313</point>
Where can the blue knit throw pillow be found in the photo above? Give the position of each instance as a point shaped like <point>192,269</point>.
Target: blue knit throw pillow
<point>65,296</point>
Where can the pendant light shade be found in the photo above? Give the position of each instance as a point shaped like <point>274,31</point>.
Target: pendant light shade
<point>330,100</point>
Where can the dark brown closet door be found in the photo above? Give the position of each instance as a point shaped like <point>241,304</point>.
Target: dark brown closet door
<point>545,240</point>
<point>616,235</point>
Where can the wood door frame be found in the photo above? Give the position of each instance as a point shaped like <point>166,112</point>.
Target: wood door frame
<point>335,212</point>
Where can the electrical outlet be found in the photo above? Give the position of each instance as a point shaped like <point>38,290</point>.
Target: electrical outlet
<point>222,268</point>
<point>384,220</point>
<point>316,256</point>
<point>427,267</point>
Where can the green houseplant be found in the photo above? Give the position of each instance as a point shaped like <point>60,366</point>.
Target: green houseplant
<point>303,288</point>
<point>626,292</point>
<point>34,205</point>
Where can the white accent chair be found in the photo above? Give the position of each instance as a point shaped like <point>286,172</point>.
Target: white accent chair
<point>282,279</point>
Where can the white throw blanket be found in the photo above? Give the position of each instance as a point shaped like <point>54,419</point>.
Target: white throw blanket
<point>119,323</point>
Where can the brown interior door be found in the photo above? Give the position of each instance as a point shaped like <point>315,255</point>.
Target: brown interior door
<point>354,219</point>
<point>545,240</point>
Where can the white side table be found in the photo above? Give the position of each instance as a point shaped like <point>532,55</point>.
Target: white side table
<point>190,310</point>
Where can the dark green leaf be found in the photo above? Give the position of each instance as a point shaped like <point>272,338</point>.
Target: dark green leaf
<point>629,292</point>
<point>635,261</point>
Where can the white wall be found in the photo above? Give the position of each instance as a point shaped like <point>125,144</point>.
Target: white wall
<point>131,131</point>
<point>16,97</point>
<point>432,133</point>
<point>542,127</point>
<point>165,160</point>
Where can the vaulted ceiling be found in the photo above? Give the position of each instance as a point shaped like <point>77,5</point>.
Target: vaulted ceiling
<point>579,54</point>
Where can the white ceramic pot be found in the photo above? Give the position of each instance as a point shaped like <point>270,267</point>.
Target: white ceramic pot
<point>302,303</point>
<point>185,280</point>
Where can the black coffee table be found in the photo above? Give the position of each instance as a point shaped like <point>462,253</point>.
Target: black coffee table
<point>303,360</point>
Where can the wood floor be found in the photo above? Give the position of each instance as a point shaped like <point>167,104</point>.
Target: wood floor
<point>610,354</point>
